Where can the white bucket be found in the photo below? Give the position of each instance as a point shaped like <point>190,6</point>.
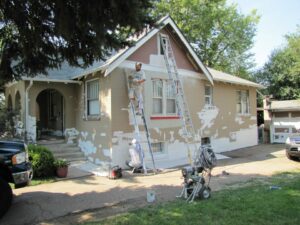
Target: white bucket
<point>150,196</point>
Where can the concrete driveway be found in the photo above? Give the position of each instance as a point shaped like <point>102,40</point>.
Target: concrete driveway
<point>78,200</point>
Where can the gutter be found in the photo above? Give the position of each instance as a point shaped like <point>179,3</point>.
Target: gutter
<point>27,107</point>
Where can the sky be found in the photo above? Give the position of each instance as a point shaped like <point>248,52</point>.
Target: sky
<point>277,18</point>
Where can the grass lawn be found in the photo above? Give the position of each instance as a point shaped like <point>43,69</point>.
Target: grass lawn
<point>254,203</point>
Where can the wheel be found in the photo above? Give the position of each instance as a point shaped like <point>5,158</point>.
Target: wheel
<point>289,156</point>
<point>205,192</point>
<point>5,196</point>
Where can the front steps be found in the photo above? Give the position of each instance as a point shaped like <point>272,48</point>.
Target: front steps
<point>62,150</point>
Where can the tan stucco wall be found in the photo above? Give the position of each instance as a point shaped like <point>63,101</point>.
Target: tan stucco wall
<point>95,133</point>
<point>225,125</point>
<point>12,90</point>
<point>151,48</point>
<point>224,97</point>
<point>66,90</point>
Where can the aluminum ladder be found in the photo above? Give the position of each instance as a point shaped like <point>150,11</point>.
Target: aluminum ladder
<point>189,133</point>
<point>137,133</point>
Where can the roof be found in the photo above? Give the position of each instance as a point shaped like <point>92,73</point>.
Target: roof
<point>225,77</point>
<point>286,105</point>
<point>68,72</point>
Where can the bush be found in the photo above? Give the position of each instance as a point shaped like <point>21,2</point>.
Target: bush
<point>60,163</point>
<point>42,161</point>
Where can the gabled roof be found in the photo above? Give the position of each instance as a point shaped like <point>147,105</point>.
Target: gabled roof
<point>285,105</point>
<point>225,77</point>
<point>117,59</point>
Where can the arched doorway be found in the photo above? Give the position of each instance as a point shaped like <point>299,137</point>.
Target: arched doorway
<point>49,114</point>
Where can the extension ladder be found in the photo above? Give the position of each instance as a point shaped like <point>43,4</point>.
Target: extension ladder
<point>137,134</point>
<point>189,133</point>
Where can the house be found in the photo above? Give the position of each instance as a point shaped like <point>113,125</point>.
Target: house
<point>281,119</point>
<point>90,106</point>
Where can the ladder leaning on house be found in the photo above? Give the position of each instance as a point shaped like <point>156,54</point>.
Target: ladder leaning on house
<point>137,134</point>
<point>188,133</point>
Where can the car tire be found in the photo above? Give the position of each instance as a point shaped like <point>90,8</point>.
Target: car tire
<point>5,197</point>
<point>289,156</point>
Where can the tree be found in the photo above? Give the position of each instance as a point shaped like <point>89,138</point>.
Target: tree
<point>37,35</point>
<point>220,35</point>
<point>281,74</point>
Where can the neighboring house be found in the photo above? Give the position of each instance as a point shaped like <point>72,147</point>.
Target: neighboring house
<point>282,118</point>
<point>92,105</point>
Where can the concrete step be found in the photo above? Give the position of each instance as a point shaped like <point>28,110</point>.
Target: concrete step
<point>51,142</point>
<point>68,154</point>
<point>64,149</point>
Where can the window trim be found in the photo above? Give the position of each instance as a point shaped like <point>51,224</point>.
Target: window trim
<point>242,113</point>
<point>164,114</point>
<point>209,96</point>
<point>163,148</point>
<point>92,116</point>
<point>159,43</point>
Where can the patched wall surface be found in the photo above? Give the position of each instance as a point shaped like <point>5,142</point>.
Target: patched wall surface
<point>94,136</point>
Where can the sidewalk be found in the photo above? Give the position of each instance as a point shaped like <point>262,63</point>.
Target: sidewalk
<point>81,199</point>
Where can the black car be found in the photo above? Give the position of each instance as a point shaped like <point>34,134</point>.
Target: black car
<point>14,168</point>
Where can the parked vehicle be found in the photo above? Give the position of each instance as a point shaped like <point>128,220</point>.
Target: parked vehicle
<point>293,146</point>
<point>14,168</point>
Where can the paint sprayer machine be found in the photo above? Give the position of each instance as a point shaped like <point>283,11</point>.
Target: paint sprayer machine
<point>197,177</point>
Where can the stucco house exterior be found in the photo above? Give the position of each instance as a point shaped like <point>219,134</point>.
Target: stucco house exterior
<point>90,106</point>
<point>281,119</point>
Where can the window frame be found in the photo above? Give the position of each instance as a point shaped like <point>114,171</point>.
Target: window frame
<point>159,46</point>
<point>164,100</point>
<point>94,99</point>
<point>210,96</point>
<point>244,105</point>
<point>162,147</point>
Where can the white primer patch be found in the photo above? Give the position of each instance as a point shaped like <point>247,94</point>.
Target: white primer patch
<point>87,147</point>
<point>239,120</point>
<point>106,152</point>
<point>224,128</point>
<point>84,134</point>
<point>172,139</point>
<point>207,117</point>
<point>31,128</point>
<point>71,134</point>
<point>103,134</point>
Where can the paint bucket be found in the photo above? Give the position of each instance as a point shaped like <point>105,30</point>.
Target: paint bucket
<point>150,196</point>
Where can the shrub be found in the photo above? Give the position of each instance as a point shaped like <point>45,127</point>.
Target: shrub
<point>42,161</point>
<point>59,163</point>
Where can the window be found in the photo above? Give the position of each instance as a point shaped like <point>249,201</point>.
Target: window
<point>157,147</point>
<point>242,106</point>
<point>162,38</point>
<point>208,95</point>
<point>157,96</point>
<point>171,98</point>
<point>163,96</point>
<point>92,98</point>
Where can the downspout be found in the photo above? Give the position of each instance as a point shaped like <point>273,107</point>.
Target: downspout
<point>26,108</point>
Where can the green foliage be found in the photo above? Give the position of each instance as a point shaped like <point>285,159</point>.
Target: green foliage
<point>281,74</point>
<point>36,35</point>
<point>220,35</point>
<point>7,122</point>
<point>252,204</point>
<point>42,161</point>
<point>59,163</point>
